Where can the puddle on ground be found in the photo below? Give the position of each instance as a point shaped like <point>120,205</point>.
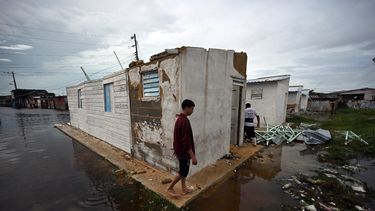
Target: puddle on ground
<point>256,185</point>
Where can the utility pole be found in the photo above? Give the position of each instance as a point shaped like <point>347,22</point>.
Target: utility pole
<point>14,81</point>
<point>136,46</point>
<point>84,72</point>
<point>118,60</point>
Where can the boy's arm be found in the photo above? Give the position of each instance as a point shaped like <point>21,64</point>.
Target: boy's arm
<point>193,158</point>
<point>186,142</point>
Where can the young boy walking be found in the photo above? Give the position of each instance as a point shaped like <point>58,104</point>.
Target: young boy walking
<point>184,149</point>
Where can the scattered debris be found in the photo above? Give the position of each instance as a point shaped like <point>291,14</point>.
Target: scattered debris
<point>310,208</point>
<point>280,133</point>
<point>307,126</point>
<point>127,157</point>
<point>138,172</point>
<point>228,156</point>
<point>320,191</point>
<point>350,136</point>
<point>358,208</point>
<point>287,186</point>
<point>350,168</point>
<point>358,188</point>
<point>166,181</point>
<point>119,172</point>
<point>319,136</point>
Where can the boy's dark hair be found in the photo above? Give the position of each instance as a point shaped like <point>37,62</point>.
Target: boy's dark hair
<point>187,104</point>
<point>248,105</point>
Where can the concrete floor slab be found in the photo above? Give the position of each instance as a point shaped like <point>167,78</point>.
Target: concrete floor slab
<point>151,177</point>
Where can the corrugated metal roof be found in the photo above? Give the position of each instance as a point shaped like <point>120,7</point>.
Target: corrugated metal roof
<point>268,79</point>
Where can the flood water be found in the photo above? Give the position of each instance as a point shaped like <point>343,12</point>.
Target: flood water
<point>257,184</point>
<point>43,169</point>
<point>39,166</point>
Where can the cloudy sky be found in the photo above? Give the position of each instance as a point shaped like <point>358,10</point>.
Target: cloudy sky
<point>324,45</point>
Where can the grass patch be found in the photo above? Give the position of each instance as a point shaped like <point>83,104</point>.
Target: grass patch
<point>360,121</point>
<point>296,119</point>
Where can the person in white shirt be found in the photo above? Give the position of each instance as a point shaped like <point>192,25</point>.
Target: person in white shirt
<point>250,114</point>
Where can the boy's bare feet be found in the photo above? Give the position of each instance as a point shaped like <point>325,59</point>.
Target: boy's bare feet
<point>173,193</point>
<point>187,190</point>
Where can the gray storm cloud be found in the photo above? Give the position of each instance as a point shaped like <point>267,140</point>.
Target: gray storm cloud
<point>324,45</point>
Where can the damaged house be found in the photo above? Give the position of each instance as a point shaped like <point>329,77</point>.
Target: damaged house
<point>135,109</point>
<point>294,98</point>
<point>269,97</point>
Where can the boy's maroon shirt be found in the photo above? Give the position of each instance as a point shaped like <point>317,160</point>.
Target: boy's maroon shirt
<point>183,137</point>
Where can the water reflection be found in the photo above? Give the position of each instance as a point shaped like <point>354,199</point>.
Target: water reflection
<point>257,184</point>
<point>37,166</point>
<point>43,169</point>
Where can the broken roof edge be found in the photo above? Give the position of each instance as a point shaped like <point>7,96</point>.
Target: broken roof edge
<point>178,50</point>
<point>352,90</point>
<point>113,74</point>
<point>295,88</point>
<point>167,53</point>
<point>83,83</point>
<point>269,78</point>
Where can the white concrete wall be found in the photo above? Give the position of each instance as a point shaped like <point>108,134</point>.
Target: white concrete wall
<point>369,95</point>
<point>154,129</point>
<point>112,127</point>
<point>295,98</point>
<point>273,104</point>
<point>292,97</point>
<point>304,99</point>
<point>206,78</point>
<point>281,109</point>
<point>265,107</point>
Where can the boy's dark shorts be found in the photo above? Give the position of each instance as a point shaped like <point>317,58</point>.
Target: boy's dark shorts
<point>250,132</point>
<point>184,165</point>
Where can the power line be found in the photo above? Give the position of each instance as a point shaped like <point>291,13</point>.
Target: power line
<point>67,64</point>
<point>92,74</point>
<point>75,81</point>
<point>51,40</point>
<point>59,31</point>
<point>57,55</point>
<point>60,65</point>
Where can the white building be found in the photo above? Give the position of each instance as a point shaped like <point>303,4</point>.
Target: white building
<point>135,109</point>
<point>268,96</point>
<point>294,98</point>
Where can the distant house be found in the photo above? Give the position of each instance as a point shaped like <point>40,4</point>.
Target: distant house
<point>357,94</point>
<point>294,98</point>
<point>6,101</point>
<point>32,98</point>
<point>135,109</point>
<point>269,96</point>
<point>61,103</point>
<point>304,99</point>
<point>356,98</point>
